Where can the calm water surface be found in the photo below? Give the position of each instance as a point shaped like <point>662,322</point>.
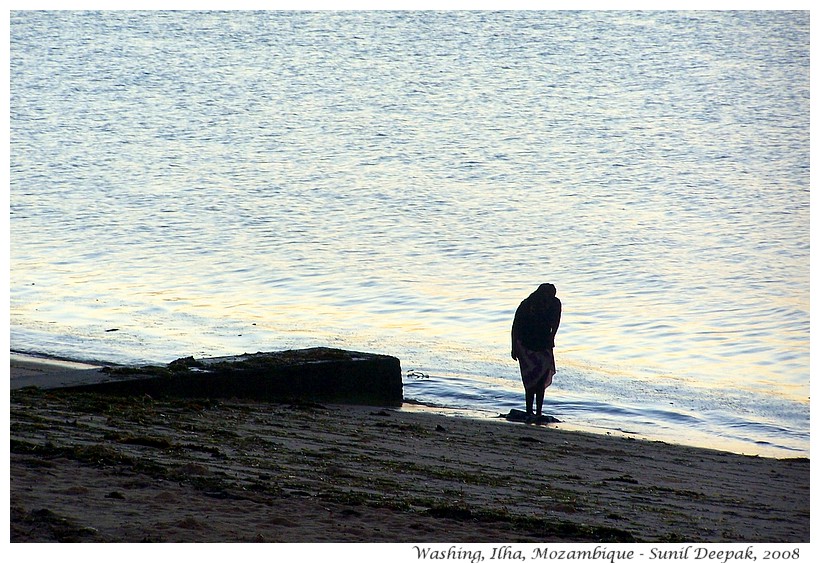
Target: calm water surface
<point>396,182</point>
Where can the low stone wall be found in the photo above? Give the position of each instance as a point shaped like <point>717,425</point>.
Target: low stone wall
<point>314,374</point>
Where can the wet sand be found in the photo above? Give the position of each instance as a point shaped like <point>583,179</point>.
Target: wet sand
<point>89,468</point>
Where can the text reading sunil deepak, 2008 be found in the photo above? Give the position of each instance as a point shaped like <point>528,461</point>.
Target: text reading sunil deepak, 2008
<point>601,554</point>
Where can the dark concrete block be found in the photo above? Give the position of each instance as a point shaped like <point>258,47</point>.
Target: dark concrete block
<point>314,374</point>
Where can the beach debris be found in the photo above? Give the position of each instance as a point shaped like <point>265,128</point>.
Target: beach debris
<point>416,374</point>
<point>148,441</point>
<point>625,478</point>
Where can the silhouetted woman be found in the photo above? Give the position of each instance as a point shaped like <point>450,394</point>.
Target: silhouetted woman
<point>533,339</point>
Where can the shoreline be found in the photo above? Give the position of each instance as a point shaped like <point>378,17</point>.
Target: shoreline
<point>31,368</point>
<point>122,469</point>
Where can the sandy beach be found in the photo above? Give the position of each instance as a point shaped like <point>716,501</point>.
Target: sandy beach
<point>90,468</point>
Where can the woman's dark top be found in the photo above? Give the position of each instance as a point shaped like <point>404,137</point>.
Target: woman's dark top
<point>536,322</point>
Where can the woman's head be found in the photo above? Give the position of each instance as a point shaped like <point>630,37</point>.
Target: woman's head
<point>546,290</point>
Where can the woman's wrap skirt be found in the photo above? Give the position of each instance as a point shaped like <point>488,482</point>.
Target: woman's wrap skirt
<point>537,368</point>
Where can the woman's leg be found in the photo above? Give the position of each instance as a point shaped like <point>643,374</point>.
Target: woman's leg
<point>530,396</point>
<point>539,401</point>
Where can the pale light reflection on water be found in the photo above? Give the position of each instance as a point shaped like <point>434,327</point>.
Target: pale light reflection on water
<point>218,183</point>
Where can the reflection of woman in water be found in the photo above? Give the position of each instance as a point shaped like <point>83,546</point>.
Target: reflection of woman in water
<point>533,338</point>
